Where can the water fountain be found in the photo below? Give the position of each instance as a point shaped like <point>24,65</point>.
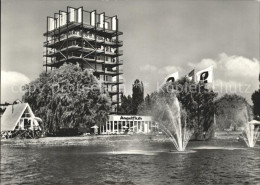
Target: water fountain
<point>250,133</point>
<point>178,134</point>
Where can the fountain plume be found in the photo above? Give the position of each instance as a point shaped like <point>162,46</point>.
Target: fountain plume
<point>250,134</point>
<point>178,134</point>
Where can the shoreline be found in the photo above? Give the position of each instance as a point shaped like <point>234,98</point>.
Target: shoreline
<point>98,139</point>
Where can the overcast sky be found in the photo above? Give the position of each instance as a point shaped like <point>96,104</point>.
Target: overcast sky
<point>160,37</point>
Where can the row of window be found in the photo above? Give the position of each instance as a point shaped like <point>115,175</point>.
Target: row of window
<point>128,124</point>
<point>85,34</point>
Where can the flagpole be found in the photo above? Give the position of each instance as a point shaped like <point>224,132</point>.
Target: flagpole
<point>194,75</point>
<point>213,80</point>
<point>214,124</point>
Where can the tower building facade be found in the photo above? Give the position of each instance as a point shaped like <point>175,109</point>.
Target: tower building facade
<point>89,39</point>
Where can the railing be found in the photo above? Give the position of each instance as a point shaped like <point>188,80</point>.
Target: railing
<point>85,35</point>
<point>99,70</point>
<point>49,52</point>
<point>115,52</point>
<point>100,60</point>
<point>114,62</point>
<point>113,42</point>
<point>50,61</point>
<point>115,90</point>
<point>118,71</point>
<point>114,81</point>
<point>88,36</point>
<point>99,38</point>
<point>120,42</point>
<point>110,72</point>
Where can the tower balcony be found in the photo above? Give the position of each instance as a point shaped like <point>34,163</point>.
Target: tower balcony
<point>71,25</point>
<point>60,39</point>
<point>72,47</point>
<point>115,92</point>
<point>76,35</point>
<point>114,82</point>
<point>114,42</point>
<point>113,63</point>
<point>114,53</point>
<point>114,72</point>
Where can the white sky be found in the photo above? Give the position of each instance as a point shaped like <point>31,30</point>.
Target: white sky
<point>160,37</point>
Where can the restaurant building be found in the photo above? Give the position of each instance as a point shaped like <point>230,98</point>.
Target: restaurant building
<point>121,124</point>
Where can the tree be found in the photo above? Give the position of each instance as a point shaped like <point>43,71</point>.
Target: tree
<point>146,107</point>
<point>126,105</point>
<point>130,104</point>
<point>68,97</point>
<point>196,99</point>
<point>232,111</point>
<point>138,95</point>
<point>256,102</point>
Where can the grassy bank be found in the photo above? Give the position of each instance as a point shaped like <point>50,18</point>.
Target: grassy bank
<point>86,140</point>
<point>102,139</point>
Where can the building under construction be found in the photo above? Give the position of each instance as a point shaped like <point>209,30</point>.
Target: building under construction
<point>89,39</point>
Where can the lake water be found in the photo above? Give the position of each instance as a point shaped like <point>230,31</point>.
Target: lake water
<point>144,162</point>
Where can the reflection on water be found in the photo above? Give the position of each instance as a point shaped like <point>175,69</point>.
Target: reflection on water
<point>131,163</point>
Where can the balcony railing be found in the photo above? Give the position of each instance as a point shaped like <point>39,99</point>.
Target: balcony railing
<point>118,71</point>
<point>115,71</point>
<point>86,36</point>
<point>120,81</point>
<point>115,90</point>
<point>49,52</point>
<point>114,52</point>
<point>110,72</point>
<point>114,42</point>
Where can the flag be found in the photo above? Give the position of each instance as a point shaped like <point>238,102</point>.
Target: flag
<point>172,77</point>
<point>205,75</point>
<point>191,75</point>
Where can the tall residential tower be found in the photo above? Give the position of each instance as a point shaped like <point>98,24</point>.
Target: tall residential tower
<point>89,39</point>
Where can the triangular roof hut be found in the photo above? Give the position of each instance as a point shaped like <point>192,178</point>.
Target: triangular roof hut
<point>18,116</point>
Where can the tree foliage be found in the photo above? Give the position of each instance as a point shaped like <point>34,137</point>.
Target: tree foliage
<point>130,104</point>
<point>232,111</point>
<point>256,102</point>
<point>197,102</point>
<point>138,95</point>
<point>126,105</point>
<point>68,97</point>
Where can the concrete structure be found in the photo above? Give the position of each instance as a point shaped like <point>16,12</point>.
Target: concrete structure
<point>89,39</point>
<point>120,124</point>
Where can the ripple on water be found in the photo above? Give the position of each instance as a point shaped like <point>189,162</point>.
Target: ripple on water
<point>217,148</point>
<point>143,163</point>
<point>133,152</point>
<point>182,152</point>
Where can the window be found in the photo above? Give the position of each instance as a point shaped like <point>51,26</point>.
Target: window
<point>27,123</point>
<point>116,127</point>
